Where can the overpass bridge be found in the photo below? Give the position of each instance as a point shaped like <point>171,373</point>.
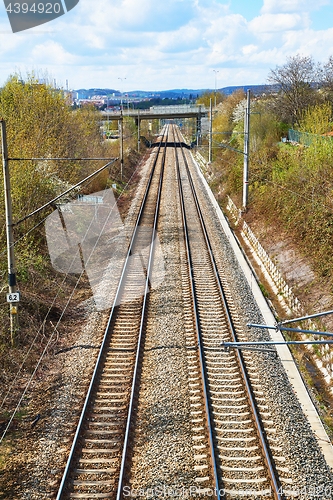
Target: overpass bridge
<point>161,113</point>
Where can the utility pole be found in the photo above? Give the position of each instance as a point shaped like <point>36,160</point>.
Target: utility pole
<point>246,152</point>
<point>139,131</point>
<point>13,295</point>
<point>210,131</point>
<point>121,130</point>
<point>199,127</point>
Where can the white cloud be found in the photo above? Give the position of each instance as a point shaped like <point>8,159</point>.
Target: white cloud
<point>317,44</point>
<point>146,15</point>
<point>249,49</point>
<point>270,23</point>
<point>53,53</point>
<point>8,43</point>
<point>276,6</point>
<point>169,44</point>
<point>185,39</point>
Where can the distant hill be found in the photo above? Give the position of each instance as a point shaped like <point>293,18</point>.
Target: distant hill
<point>255,89</point>
<point>169,94</point>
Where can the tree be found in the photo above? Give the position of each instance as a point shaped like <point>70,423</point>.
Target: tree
<point>224,118</point>
<point>296,83</point>
<point>317,119</point>
<point>207,96</point>
<point>41,124</point>
<point>327,79</point>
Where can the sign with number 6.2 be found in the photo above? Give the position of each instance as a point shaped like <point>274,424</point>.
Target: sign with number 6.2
<point>13,297</point>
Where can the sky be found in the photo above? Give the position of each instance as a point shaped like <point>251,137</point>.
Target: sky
<point>158,45</point>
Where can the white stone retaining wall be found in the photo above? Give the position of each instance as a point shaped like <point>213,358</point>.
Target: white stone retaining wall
<point>322,354</point>
<point>201,161</point>
<point>274,273</point>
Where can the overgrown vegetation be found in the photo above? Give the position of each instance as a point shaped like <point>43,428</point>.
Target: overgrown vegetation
<point>41,124</point>
<point>291,185</point>
<point>215,97</point>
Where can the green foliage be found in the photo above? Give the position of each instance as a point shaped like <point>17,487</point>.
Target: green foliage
<point>40,124</point>
<point>265,129</point>
<point>263,290</point>
<point>290,186</point>
<point>317,119</point>
<point>223,119</point>
<point>207,96</point>
<point>298,195</point>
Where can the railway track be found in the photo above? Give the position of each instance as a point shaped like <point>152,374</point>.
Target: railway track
<point>234,451</point>
<point>95,467</point>
<point>234,416</point>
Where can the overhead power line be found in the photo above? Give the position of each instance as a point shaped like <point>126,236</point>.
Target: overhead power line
<point>68,190</point>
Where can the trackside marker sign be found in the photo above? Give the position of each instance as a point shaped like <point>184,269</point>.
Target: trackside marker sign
<point>26,14</point>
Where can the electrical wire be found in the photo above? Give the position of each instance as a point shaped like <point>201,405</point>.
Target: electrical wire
<point>89,181</point>
<point>65,192</point>
<point>59,320</point>
<point>60,287</point>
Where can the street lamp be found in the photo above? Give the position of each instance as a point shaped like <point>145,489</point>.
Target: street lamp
<point>215,71</point>
<point>121,92</point>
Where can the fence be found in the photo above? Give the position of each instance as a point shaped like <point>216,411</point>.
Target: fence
<point>306,138</point>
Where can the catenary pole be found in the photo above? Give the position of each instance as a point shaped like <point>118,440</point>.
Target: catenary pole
<point>246,152</point>
<point>139,131</point>
<point>10,236</point>
<point>210,131</point>
<point>121,130</point>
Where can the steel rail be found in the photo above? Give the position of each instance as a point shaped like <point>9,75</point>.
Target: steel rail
<point>198,330</point>
<point>276,486</point>
<point>144,306</point>
<point>93,380</point>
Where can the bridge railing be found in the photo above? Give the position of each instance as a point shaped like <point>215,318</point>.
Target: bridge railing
<point>160,110</point>
<point>179,108</point>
